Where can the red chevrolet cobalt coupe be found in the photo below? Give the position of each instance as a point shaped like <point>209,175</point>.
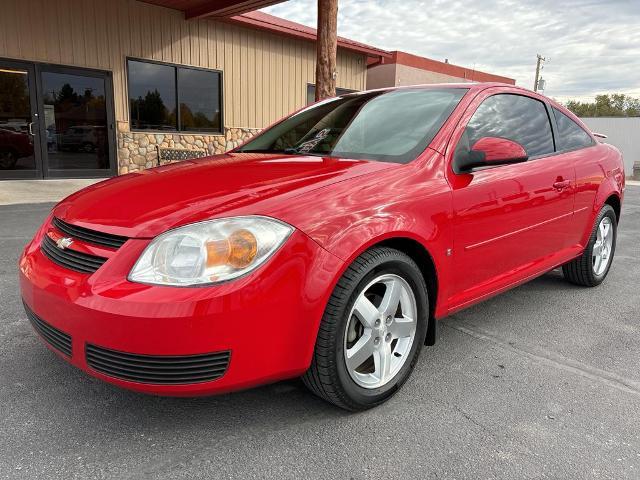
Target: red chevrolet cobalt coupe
<point>327,246</point>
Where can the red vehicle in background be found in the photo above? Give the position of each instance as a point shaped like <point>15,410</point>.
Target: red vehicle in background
<point>326,247</point>
<point>14,145</point>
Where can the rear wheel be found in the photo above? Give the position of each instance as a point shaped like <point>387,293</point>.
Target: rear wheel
<point>591,268</point>
<point>372,331</point>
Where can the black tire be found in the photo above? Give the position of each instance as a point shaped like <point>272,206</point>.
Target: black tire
<point>580,270</point>
<point>328,377</point>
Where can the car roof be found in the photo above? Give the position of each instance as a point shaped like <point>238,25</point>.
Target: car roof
<point>475,86</point>
<point>471,86</point>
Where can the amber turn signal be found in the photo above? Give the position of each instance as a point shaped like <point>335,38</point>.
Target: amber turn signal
<point>238,250</point>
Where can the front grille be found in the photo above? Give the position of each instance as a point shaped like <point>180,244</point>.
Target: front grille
<point>90,236</point>
<point>71,259</point>
<point>56,338</point>
<point>158,369</point>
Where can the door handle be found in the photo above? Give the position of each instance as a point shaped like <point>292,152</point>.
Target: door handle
<point>29,126</point>
<point>561,185</point>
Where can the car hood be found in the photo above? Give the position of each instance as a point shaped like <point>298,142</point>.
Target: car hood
<point>148,203</point>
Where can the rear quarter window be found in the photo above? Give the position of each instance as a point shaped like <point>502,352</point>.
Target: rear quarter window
<point>571,136</point>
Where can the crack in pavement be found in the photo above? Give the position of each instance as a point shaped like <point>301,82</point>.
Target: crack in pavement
<point>552,359</point>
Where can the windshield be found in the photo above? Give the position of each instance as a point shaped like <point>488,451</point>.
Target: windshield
<point>391,126</point>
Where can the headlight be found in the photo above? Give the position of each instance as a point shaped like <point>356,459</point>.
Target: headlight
<point>209,252</point>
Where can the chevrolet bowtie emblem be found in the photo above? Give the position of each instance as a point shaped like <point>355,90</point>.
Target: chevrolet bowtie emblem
<point>64,242</point>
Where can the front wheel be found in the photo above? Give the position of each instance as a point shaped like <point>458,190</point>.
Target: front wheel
<point>591,268</point>
<point>372,331</point>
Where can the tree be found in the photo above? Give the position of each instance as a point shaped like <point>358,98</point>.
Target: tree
<point>151,111</point>
<point>14,95</point>
<point>67,93</point>
<point>614,105</point>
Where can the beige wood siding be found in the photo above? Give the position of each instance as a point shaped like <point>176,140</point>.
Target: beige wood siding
<point>265,75</point>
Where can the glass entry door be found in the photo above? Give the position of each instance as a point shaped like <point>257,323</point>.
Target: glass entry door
<point>76,115</point>
<point>55,122</point>
<point>19,139</point>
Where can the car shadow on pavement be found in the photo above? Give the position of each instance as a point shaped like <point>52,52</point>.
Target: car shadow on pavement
<point>553,279</point>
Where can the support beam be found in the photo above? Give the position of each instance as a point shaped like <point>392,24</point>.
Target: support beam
<point>327,47</point>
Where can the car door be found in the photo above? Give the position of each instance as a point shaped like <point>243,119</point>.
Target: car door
<point>509,220</point>
<point>576,147</point>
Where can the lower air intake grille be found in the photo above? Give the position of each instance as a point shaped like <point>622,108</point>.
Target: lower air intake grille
<point>54,337</point>
<point>71,259</point>
<point>158,369</point>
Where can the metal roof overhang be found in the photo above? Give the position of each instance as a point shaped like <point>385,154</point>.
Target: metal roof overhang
<point>213,8</point>
<point>242,13</point>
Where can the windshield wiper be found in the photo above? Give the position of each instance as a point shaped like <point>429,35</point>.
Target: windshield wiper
<point>286,151</point>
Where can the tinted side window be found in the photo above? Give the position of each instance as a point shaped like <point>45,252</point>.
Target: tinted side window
<point>570,135</point>
<point>199,100</point>
<point>514,117</point>
<point>154,90</point>
<point>152,96</point>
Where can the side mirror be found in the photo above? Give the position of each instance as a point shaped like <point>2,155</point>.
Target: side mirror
<point>491,151</point>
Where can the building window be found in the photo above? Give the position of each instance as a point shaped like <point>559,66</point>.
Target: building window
<point>311,92</point>
<point>157,89</point>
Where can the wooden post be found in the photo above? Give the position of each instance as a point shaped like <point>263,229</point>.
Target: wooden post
<point>327,46</point>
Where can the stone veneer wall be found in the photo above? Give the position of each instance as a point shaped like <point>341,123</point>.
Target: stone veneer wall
<point>138,150</point>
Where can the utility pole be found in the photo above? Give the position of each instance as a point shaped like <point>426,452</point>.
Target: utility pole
<point>538,68</point>
<point>327,46</point>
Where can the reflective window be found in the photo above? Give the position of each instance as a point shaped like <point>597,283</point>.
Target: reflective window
<point>152,96</point>
<point>75,117</point>
<point>515,117</point>
<point>571,136</point>
<point>155,90</point>
<point>393,126</point>
<point>199,100</point>
<point>16,144</point>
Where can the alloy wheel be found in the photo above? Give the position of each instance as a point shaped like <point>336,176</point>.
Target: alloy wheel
<point>601,252</point>
<point>380,331</point>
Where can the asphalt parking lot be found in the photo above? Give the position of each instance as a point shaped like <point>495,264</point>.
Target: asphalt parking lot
<point>540,382</point>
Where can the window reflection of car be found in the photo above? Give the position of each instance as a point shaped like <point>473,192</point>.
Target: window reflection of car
<point>82,137</point>
<point>20,127</point>
<point>14,145</point>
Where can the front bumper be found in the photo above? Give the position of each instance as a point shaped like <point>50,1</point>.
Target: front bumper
<point>266,321</point>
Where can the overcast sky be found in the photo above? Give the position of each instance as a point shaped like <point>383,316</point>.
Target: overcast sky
<point>592,46</point>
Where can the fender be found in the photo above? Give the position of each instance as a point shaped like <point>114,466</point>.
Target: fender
<point>413,202</point>
<point>611,185</point>
<point>437,310</point>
